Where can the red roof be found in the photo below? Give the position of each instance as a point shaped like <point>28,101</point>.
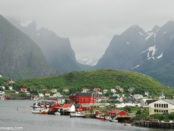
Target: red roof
<point>47,93</point>
<point>66,105</point>
<point>114,111</point>
<point>55,106</point>
<point>23,88</point>
<point>119,113</point>
<point>96,88</point>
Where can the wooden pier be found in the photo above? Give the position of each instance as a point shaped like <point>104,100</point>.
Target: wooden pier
<point>154,124</point>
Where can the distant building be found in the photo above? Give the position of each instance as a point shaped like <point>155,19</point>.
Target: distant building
<point>41,95</point>
<point>83,98</point>
<point>117,87</point>
<point>47,94</point>
<point>23,89</point>
<point>96,89</point>
<point>10,88</point>
<point>85,90</point>
<point>17,92</point>
<point>1,76</point>
<point>137,96</point>
<point>164,106</point>
<point>53,90</point>
<point>66,90</point>
<point>113,90</point>
<point>2,93</point>
<point>131,89</point>
<point>2,87</point>
<point>121,89</point>
<point>146,93</point>
<point>10,82</point>
<point>105,91</point>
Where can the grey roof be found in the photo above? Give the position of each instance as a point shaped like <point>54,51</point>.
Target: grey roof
<point>84,94</point>
<point>169,101</point>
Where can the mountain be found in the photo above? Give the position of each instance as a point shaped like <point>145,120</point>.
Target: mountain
<point>124,50</point>
<point>161,63</point>
<point>146,52</point>
<point>105,79</point>
<point>20,57</point>
<point>57,50</point>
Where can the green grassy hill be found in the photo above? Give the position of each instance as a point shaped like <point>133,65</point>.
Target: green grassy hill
<point>105,78</point>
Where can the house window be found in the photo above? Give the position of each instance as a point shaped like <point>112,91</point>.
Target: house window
<point>166,105</point>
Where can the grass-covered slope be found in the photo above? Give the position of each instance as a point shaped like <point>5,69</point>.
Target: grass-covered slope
<point>105,78</point>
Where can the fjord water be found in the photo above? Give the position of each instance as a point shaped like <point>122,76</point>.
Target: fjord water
<point>14,113</point>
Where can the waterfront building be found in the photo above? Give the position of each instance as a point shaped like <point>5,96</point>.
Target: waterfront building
<point>83,98</point>
<point>161,107</point>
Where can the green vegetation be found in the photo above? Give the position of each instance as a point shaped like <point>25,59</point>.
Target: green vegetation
<point>104,79</point>
<point>164,117</point>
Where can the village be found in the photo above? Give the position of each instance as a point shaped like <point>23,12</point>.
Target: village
<point>115,106</point>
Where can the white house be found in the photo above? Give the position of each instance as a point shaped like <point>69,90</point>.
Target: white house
<point>161,107</point>
<point>23,89</point>
<point>137,96</point>
<point>69,107</point>
<point>146,93</point>
<point>66,90</point>
<point>47,94</point>
<point>53,90</point>
<point>121,105</point>
<point>3,87</point>
<point>10,88</point>
<point>105,91</point>
<point>2,93</point>
<point>113,90</point>
<point>85,90</point>
<point>41,95</point>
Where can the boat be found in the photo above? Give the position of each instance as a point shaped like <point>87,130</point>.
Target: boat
<point>100,117</point>
<point>77,114</point>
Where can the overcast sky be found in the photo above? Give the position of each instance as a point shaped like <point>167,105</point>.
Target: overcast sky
<point>90,24</point>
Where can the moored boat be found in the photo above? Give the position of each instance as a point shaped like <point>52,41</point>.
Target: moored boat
<point>77,114</point>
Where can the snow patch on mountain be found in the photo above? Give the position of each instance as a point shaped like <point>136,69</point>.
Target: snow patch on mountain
<point>141,33</point>
<point>160,56</point>
<point>151,52</point>
<point>150,34</point>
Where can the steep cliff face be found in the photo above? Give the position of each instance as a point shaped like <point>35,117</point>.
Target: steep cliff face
<point>57,50</point>
<point>20,57</point>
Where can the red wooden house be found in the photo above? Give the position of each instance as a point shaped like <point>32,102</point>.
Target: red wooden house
<point>121,113</point>
<point>83,98</point>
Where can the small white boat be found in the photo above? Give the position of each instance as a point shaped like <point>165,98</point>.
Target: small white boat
<point>57,113</point>
<point>77,114</point>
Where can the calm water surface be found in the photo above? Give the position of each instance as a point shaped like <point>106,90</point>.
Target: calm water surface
<point>15,113</point>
